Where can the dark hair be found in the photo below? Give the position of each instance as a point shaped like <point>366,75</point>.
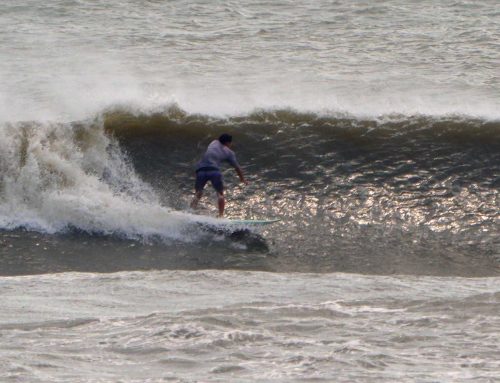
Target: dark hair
<point>225,138</point>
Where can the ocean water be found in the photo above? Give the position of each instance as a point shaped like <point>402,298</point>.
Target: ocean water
<point>370,129</point>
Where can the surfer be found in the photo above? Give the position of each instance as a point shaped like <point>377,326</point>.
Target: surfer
<point>208,169</point>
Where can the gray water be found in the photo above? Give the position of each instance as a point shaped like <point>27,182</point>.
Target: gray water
<point>219,326</point>
<point>371,129</point>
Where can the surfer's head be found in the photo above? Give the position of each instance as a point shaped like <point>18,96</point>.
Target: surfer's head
<point>225,139</point>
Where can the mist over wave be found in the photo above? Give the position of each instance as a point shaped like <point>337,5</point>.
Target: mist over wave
<point>66,63</point>
<point>79,97</point>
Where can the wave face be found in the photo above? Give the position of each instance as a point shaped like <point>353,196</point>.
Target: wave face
<point>420,183</point>
<point>418,186</point>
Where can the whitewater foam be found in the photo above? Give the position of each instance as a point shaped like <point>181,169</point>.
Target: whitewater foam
<point>61,176</point>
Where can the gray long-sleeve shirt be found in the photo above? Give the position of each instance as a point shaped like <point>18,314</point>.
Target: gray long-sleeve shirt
<point>216,154</point>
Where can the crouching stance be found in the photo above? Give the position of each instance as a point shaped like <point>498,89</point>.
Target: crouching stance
<point>208,169</point>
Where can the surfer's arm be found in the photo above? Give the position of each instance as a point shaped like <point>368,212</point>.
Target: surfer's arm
<point>232,160</point>
<point>240,174</point>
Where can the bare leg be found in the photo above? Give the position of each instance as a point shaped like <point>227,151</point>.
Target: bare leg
<point>221,203</point>
<point>196,199</point>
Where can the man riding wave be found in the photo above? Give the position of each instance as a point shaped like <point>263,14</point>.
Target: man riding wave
<point>208,169</point>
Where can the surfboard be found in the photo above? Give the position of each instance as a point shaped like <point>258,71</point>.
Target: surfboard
<point>232,224</point>
<point>250,222</point>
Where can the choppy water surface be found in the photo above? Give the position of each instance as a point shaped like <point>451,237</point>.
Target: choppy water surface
<point>371,130</point>
<point>244,326</point>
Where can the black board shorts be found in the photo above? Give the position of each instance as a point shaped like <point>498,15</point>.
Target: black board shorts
<point>212,175</point>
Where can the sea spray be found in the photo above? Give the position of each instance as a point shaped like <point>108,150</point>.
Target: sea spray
<point>57,176</point>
